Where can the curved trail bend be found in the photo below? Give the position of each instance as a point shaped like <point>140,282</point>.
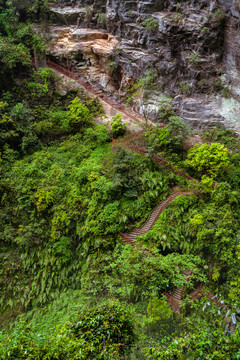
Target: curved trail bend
<point>148,225</point>
<point>175,298</point>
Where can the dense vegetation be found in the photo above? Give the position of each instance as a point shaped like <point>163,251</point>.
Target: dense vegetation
<point>66,193</point>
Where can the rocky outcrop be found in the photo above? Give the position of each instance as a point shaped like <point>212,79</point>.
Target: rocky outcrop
<point>86,51</point>
<point>192,48</point>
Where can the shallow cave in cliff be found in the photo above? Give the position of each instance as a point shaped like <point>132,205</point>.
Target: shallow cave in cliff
<point>117,76</point>
<point>68,63</point>
<point>57,60</point>
<point>81,61</point>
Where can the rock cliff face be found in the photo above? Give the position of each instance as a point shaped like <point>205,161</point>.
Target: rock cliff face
<point>190,50</point>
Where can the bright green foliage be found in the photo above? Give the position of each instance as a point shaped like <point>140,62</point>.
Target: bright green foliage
<point>40,114</point>
<point>79,115</point>
<point>208,159</point>
<point>201,345</point>
<point>11,55</point>
<point>207,182</point>
<point>8,131</point>
<point>105,327</point>
<point>127,272</point>
<point>172,230</point>
<point>78,196</point>
<point>43,83</point>
<point>203,336</point>
<point>168,138</point>
<point>207,228</point>
<point>118,127</point>
<point>158,310</point>
<point>16,41</point>
<point>222,135</point>
<point>100,333</point>
<point>64,198</point>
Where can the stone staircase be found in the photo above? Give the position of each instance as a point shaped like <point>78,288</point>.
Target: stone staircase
<point>175,297</point>
<point>232,328</point>
<point>129,114</point>
<point>147,226</point>
<point>177,293</point>
<point>192,112</point>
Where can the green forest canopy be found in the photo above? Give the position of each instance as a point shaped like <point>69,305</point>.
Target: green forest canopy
<point>65,196</point>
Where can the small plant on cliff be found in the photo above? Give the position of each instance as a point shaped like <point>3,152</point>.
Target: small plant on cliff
<point>118,127</point>
<point>185,88</point>
<point>165,109</point>
<point>226,92</point>
<point>88,13</point>
<point>219,16</point>
<point>204,29</point>
<point>112,66</point>
<point>220,87</point>
<point>194,58</point>
<point>177,18</point>
<point>101,18</point>
<point>151,24</point>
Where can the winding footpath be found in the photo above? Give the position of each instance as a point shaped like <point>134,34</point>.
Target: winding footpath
<point>148,225</point>
<point>128,143</point>
<point>119,108</point>
<point>175,297</point>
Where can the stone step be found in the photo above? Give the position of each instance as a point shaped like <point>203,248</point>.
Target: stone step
<point>232,328</point>
<point>177,293</point>
<point>153,217</point>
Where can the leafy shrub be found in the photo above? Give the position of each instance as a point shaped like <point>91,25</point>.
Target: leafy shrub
<point>168,138</point>
<point>100,333</point>
<point>165,109</point>
<point>78,116</point>
<point>118,127</point>
<point>222,135</point>
<point>105,326</point>
<point>208,159</point>
<point>205,344</point>
<point>94,107</point>
<point>8,129</point>
<point>43,84</point>
<point>135,277</point>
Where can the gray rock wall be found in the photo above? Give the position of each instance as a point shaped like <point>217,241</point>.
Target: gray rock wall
<point>231,6</point>
<point>193,48</point>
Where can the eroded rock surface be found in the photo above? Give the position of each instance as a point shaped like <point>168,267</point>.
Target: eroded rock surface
<point>193,48</point>
<point>86,51</point>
